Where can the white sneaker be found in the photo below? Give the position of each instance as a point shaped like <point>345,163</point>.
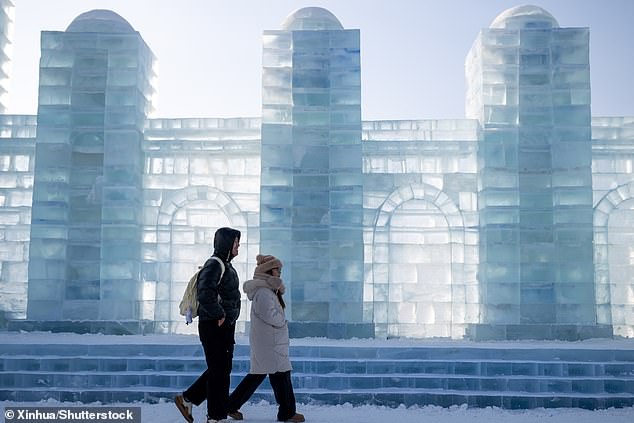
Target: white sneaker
<point>185,407</point>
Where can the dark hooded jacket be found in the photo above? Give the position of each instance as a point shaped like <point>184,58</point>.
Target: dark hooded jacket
<point>210,307</point>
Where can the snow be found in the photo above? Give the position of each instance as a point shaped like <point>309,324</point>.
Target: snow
<point>264,412</point>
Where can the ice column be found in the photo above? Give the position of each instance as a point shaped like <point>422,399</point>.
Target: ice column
<point>529,85</point>
<point>94,95</point>
<point>311,189</point>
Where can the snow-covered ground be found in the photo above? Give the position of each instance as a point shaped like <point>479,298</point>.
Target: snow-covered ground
<point>346,413</point>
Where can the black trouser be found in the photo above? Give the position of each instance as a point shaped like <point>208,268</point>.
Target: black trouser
<point>213,384</point>
<point>282,388</point>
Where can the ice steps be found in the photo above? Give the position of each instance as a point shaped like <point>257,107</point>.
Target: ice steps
<point>324,365</point>
<point>497,374</point>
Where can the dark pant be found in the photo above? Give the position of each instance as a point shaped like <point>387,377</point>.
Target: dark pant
<point>213,384</point>
<point>282,388</point>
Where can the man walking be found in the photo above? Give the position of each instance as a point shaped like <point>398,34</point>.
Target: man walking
<point>218,310</point>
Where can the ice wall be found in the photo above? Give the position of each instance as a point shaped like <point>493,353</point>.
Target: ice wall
<point>17,150</point>
<point>200,174</point>
<point>421,227</point>
<point>613,191</point>
<point>417,228</point>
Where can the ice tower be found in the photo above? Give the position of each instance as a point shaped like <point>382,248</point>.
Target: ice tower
<point>6,46</point>
<point>94,97</point>
<point>529,85</point>
<point>311,181</point>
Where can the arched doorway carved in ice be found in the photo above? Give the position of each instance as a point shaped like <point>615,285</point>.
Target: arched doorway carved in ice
<point>187,221</point>
<point>614,259</point>
<point>417,265</point>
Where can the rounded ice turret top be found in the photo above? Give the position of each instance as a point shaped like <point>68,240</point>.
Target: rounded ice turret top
<point>527,16</point>
<point>311,19</point>
<point>100,20</point>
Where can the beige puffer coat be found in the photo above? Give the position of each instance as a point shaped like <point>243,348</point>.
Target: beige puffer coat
<point>268,336</point>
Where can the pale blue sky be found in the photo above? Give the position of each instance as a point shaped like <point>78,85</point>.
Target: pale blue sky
<point>412,51</point>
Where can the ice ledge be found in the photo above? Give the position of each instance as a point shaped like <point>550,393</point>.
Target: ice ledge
<point>45,337</point>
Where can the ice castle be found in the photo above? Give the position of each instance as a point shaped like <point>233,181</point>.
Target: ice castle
<point>512,223</point>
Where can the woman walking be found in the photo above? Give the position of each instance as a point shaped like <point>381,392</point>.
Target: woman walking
<point>269,342</point>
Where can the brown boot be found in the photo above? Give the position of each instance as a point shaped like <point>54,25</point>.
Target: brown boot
<point>185,407</point>
<point>235,415</point>
<point>296,418</point>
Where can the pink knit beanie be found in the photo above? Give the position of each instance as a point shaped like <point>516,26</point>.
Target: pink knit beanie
<point>266,263</point>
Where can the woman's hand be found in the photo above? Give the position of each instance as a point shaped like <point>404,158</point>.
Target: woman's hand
<point>221,321</point>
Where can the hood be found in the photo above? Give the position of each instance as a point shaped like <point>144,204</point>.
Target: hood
<point>223,242</point>
<point>262,281</point>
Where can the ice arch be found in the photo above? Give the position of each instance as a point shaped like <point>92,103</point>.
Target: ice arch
<point>413,282</point>
<point>178,199</point>
<point>187,221</point>
<point>613,253</point>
